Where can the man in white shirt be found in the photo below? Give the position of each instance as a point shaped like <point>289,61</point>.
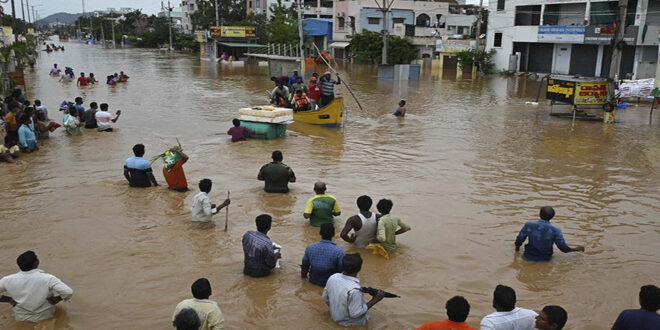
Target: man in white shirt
<point>33,293</point>
<point>343,294</point>
<point>104,119</point>
<point>202,209</point>
<point>507,315</point>
<point>208,311</point>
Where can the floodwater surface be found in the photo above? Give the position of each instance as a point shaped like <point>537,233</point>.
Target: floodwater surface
<point>469,164</point>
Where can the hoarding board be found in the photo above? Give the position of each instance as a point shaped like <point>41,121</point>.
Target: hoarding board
<point>561,33</point>
<point>594,93</point>
<point>560,91</point>
<point>233,31</point>
<point>603,35</point>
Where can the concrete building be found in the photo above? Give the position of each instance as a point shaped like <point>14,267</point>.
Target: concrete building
<point>313,9</point>
<point>572,37</point>
<point>188,7</point>
<point>319,30</point>
<point>421,22</point>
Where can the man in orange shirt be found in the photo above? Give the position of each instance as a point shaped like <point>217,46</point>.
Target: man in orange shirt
<point>10,120</point>
<point>174,175</point>
<point>457,310</point>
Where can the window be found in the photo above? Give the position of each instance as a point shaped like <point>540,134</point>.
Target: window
<point>399,20</point>
<point>528,15</point>
<point>497,41</point>
<point>250,4</point>
<point>340,22</point>
<point>462,30</point>
<point>500,5</point>
<point>373,20</point>
<point>423,20</point>
<point>257,3</point>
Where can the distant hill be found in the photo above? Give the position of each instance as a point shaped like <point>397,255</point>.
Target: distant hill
<point>65,18</point>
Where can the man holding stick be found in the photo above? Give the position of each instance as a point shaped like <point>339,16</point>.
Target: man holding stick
<point>202,209</point>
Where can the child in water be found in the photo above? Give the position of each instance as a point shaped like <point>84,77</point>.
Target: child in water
<point>401,110</point>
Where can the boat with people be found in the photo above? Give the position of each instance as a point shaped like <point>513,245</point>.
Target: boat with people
<point>329,116</point>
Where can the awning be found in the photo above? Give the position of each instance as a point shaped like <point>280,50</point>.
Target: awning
<point>242,44</point>
<point>339,44</point>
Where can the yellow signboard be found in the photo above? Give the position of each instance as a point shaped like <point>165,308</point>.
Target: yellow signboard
<point>199,36</point>
<point>233,31</point>
<point>7,35</point>
<point>591,93</point>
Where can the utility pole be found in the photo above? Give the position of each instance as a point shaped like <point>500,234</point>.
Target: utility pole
<point>217,23</point>
<point>34,19</point>
<point>300,32</point>
<point>13,13</point>
<point>169,23</point>
<point>479,20</point>
<point>23,15</point>
<point>615,64</point>
<point>27,5</point>
<point>384,9</point>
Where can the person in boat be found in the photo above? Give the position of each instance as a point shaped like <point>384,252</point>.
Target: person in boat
<point>314,92</point>
<point>280,95</point>
<point>328,88</point>
<point>300,101</point>
<point>299,85</point>
<point>401,110</point>
<point>294,78</point>
<point>55,71</point>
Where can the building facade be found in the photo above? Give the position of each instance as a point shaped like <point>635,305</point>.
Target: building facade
<point>421,22</point>
<point>572,37</point>
<point>313,9</point>
<point>188,7</point>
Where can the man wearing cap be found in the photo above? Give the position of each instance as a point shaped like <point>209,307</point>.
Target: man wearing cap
<point>328,88</point>
<point>314,92</point>
<point>294,78</point>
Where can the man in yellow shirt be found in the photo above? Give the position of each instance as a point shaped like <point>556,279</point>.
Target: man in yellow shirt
<point>207,310</point>
<point>389,226</point>
<point>322,207</point>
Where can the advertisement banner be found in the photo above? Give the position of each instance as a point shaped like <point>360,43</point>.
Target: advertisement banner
<point>233,31</point>
<point>200,36</point>
<point>449,46</point>
<point>560,91</point>
<point>561,33</point>
<point>7,35</point>
<point>594,93</point>
<point>603,35</point>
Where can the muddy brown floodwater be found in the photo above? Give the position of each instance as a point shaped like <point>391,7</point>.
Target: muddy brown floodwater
<point>466,168</point>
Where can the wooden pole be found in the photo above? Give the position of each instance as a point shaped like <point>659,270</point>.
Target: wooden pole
<point>345,84</point>
<point>227,212</point>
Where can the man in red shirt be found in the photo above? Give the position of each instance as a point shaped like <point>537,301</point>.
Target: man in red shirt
<point>238,132</point>
<point>314,93</point>
<point>174,175</point>
<point>457,310</point>
<point>82,81</point>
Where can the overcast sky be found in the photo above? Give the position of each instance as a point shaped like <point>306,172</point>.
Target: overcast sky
<point>48,7</point>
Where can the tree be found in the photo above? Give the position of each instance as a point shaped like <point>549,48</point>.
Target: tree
<point>368,47</point>
<point>282,28</point>
<point>480,58</point>
<point>259,22</point>
<point>484,24</point>
<point>230,12</point>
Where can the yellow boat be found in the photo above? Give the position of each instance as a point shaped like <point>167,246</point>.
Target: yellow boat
<point>329,116</point>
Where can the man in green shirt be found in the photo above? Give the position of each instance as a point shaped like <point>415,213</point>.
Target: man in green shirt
<point>389,226</point>
<point>276,175</point>
<point>322,207</point>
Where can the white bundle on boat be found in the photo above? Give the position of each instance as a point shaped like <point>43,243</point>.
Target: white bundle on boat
<point>266,114</point>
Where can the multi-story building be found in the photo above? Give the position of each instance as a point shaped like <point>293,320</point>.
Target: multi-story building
<point>313,8</point>
<point>572,37</point>
<point>421,22</point>
<point>188,7</point>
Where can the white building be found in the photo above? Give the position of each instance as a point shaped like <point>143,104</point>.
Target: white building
<point>572,37</point>
<point>313,8</point>
<point>421,22</point>
<point>188,7</point>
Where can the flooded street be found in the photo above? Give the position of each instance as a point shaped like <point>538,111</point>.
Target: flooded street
<point>466,168</point>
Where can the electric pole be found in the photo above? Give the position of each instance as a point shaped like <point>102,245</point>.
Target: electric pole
<point>23,15</point>
<point>169,21</point>
<point>27,5</point>
<point>384,54</point>
<point>479,20</point>
<point>217,23</point>
<point>13,13</point>
<point>617,50</point>
<point>300,32</point>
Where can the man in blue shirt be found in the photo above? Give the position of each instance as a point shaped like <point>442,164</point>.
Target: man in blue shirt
<point>542,235</point>
<point>645,318</point>
<point>260,255</point>
<point>79,106</point>
<point>137,170</point>
<point>323,257</point>
<point>293,78</point>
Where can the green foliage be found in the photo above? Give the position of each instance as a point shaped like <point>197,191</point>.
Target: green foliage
<point>484,24</point>
<point>282,28</point>
<point>19,25</point>
<point>480,58</point>
<point>259,22</point>
<point>230,12</point>
<point>368,47</point>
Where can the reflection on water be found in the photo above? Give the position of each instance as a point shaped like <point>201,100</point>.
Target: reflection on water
<point>466,168</point>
